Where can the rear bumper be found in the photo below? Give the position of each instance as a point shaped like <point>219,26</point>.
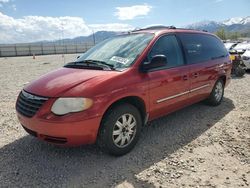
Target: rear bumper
<point>62,133</point>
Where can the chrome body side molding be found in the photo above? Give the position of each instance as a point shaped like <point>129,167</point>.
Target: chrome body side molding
<point>180,94</point>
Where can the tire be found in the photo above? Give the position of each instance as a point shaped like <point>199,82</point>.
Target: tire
<point>217,94</point>
<point>120,129</point>
<point>239,72</point>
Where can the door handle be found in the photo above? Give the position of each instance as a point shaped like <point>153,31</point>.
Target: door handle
<point>185,77</point>
<point>195,75</point>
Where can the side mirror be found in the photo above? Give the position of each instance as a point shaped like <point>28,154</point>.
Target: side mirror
<point>156,62</point>
<point>78,57</point>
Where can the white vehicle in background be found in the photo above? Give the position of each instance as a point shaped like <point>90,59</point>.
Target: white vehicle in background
<point>236,50</point>
<point>230,45</point>
<point>242,47</point>
<point>246,58</point>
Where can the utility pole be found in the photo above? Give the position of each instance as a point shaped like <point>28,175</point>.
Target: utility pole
<point>63,56</point>
<point>93,36</point>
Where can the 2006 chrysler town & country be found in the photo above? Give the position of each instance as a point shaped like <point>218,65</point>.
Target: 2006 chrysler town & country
<point>113,89</point>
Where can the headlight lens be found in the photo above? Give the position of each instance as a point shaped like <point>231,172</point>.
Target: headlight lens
<point>64,106</point>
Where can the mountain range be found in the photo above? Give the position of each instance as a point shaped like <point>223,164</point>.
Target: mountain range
<point>238,24</point>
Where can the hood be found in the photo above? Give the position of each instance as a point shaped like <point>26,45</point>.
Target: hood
<point>247,53</point>
<point>55,83</point>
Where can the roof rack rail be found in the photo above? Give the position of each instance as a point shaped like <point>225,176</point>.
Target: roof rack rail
<point>190,29</point>
<point>156,27</point>
<point>185,28</point>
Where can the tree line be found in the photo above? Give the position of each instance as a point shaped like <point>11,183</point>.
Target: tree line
<point>225,35</point>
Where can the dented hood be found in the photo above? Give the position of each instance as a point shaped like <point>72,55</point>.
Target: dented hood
<point>55,83</point>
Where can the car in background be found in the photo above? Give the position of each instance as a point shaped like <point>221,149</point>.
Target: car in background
<point>242,47</point>
<point>230,45</point>
<point>246,58</point>
<point>239,67</point>
<point>236,51</point>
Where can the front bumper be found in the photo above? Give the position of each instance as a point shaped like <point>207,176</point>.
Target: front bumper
<point>62,133</point>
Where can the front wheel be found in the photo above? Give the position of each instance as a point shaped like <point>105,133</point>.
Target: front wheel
<point>217,93</point>
<point>120,129</point>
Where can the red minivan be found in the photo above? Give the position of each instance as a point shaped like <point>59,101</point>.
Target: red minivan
<point>116,87</point>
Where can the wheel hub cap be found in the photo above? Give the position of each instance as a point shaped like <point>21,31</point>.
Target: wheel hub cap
<point>124,130</point>
<point>218,91</point>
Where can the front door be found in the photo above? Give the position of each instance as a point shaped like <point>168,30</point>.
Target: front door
<point>169,86</point>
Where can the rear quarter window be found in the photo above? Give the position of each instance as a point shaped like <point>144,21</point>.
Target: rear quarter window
<point>202,47</point>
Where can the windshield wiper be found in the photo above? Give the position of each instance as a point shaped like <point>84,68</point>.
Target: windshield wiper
<point>96,62</point>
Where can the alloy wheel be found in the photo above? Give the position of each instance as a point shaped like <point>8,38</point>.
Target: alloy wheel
<point>218,91</point>
<point>124,130</point>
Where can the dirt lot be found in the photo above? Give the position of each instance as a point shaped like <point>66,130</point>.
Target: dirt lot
<point>198,146</point>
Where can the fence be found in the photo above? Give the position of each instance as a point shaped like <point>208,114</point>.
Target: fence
<point>42,49</point>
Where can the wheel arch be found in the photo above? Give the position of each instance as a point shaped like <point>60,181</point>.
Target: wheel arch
<point>136,101</point>
<point>223,78</point>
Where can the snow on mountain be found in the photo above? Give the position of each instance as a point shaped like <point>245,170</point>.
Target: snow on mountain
<point>210,26</point>
<point>232,21</point>
<point>237,20</point>
<point>203,23</point>
<point>233,24</point>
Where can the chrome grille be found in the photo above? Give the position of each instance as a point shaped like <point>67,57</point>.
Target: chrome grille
<point>28,104</point>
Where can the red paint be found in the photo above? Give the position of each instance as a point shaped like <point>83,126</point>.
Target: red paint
<point>107,87</point>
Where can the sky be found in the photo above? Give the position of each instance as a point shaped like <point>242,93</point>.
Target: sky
<point>30,20</point>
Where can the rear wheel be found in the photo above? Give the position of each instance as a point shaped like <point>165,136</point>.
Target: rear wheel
<point>239,71</point>
<point>217,93</point>
<point>120,129</point>
<point>238,68</point>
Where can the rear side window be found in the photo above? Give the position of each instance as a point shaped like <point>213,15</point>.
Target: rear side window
<point>201,47</point>
<point>168,45</point>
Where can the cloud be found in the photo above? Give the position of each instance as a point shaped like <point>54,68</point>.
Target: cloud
<point>111,27</point>
<point>11,5</point>
<point>129,13</point>
<point>38,28</point>
<point>2,2</point>
<point>14,7</point>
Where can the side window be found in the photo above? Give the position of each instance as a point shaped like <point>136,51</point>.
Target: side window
<point>168,46</point>
<point>201,47</point>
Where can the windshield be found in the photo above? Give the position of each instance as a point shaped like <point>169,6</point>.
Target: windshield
<point>120,51</point>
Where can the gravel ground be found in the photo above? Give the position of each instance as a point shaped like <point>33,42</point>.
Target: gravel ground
<point>198,146</point>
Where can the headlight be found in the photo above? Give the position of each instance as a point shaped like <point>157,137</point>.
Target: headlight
<point>66,105</point>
